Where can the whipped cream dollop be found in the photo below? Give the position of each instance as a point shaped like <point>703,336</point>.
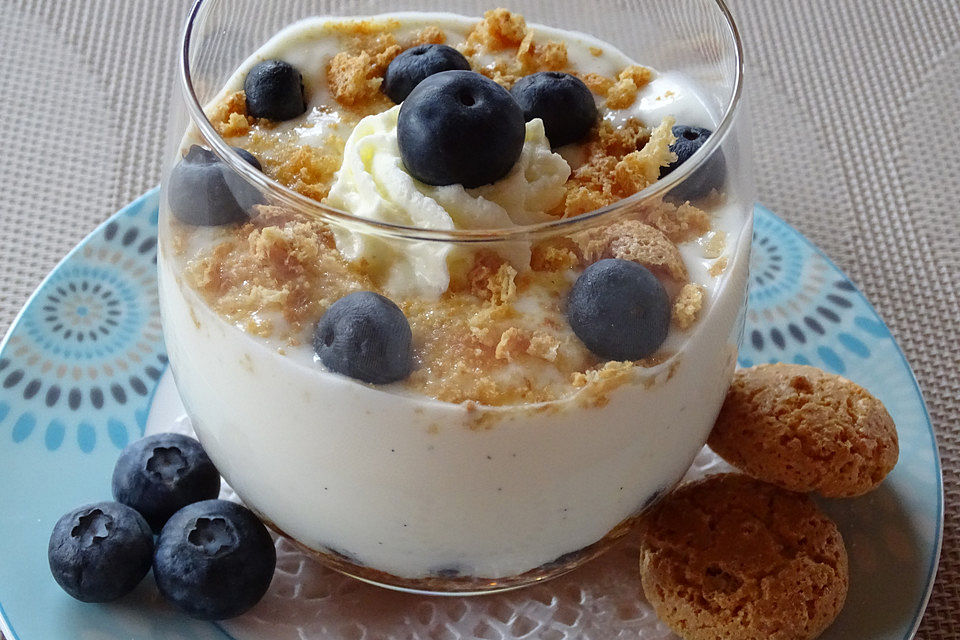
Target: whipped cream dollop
<point>372,183</point>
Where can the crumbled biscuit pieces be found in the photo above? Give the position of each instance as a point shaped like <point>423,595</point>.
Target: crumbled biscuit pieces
<point>680,223</point>
<point>686,307</point>
<point>355,75</point>
<point>429,35</point>
<point>623,93</point>
<point>596,384</point>
<point>613,171</point>
<point>633,240</point>
<point>285,269</point>
<point>499,29</point>
<point>229,117</point>
<point>715,246</point>
<point>556,254</point>
<point>550,56</point>
<point>731,557</point>
<point>310,170</point>
<point>490,278</point>
<point>597,83</point>
<point>805,430</point>
<point>544,345</point>
<point>512,343</point>
<point>718,267</point>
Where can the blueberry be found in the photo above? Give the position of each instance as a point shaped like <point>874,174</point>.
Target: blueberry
<point>561,100</point>
<point>100,551</point>
<point>619,310</point>
<point>249,158</point>
<point>274,90</point>
<point>365,336</point>
<point>414,65</point>
<point>214,560</point>
<point>710,175</point>
<point>202,190</point>
<point>459,127</point>
<point>160,474</point>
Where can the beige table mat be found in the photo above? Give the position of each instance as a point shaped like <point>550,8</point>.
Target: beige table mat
<point>855,104</point>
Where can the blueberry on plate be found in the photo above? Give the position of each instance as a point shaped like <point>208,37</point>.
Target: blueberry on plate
<point>160,474</point>
<point>416,64</point>
<point>99,552</point>
<point>365,336</point>
<point>459,127</point>
<point>710,175</point>
<point>203,191</point>
<point>619,310</point>
<point>214,560</point>
<point>561,100</point>
<point>274,90</point>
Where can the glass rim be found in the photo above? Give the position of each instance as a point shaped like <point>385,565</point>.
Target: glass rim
<point>285,195</point>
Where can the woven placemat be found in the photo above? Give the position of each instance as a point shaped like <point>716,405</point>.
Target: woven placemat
<point>853,104</point>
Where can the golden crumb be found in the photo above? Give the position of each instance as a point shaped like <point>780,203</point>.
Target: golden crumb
<point>619,141</point>
<point>229,116</point>
<point>544,346</point>
<point>642,168</point>
<point>639,75</point>
<point>718,267</point>
<point>622,94</point>
<point>581,199</point>
<point>285,270</point>
<point>596,384</point>
<point>429,35</point>
<point>512,343</point>
<point>715,246</point>
<point>597,83</point>
<point>687,306</point>
<point>639,242</point>
<point>550,56</point>
<point>503,72</point>
<point>619,163</point>
<point>353,78</point>
<point>355,75</point>
<point>636,241</point>
<point>499,29</point>
<point>679,223</point>
<point>503,286</point>
<point>596,52</point>
<point>309,170</point>
<point>556,254</point>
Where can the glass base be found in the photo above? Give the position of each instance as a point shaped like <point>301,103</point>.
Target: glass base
<point>460,585</point>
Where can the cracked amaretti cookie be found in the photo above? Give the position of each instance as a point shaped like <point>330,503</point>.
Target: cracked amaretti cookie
<point>805,430</point>
<point>733,558</point>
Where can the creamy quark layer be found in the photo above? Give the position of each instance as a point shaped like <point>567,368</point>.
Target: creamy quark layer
<point>392,477</point>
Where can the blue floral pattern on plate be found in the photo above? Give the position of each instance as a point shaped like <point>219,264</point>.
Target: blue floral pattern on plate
<point>87,351</point>
<point>81,363</point>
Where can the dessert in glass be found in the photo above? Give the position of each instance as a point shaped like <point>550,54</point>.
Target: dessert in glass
<point>452,297</point>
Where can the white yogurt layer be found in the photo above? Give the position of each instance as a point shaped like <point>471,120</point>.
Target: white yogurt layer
<point>400,482</point>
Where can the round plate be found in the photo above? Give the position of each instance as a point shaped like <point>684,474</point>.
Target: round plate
<point>82,373</point>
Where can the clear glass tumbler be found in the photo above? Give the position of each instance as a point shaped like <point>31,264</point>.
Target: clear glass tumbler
<point>514,431</point>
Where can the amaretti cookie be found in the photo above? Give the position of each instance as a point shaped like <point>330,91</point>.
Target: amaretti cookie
<point>805,430</point>
<point>730,557</point>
